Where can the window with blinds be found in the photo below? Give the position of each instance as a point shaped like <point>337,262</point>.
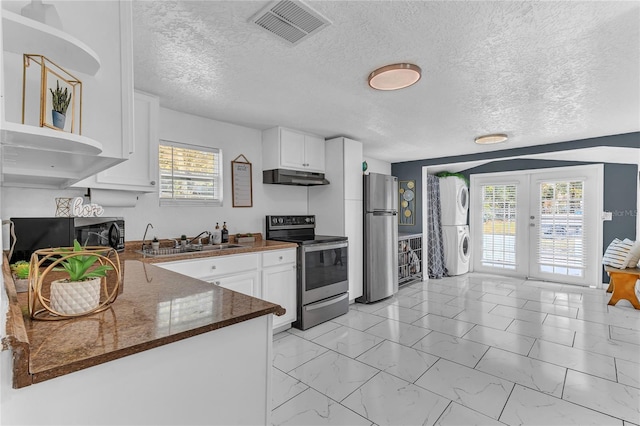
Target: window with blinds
<point>189,174</point>
<point>561,231</point>
<point>499,226</point>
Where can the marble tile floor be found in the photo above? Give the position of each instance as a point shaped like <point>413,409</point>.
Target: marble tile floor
<point>475,349</point>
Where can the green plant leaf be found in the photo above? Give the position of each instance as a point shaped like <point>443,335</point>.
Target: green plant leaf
<point>78,266</point>
<point>100,271</point>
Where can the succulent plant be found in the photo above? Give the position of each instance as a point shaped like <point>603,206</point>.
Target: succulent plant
<point>155,240</point>
<point>60,99</point>
<point>78,266</point>
<point>21,269</point>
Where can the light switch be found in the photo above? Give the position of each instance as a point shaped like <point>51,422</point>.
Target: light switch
<point>607,216</point>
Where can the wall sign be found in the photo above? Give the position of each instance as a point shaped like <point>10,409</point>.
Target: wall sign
<point>78,209</point>
<point>241,182</point>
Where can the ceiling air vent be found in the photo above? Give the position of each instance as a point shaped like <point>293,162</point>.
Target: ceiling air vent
<point>292,21</point>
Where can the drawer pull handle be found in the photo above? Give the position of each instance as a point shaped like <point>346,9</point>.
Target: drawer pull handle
<point>280,258</point>
<point>213,267</point>
<point>216,282</point>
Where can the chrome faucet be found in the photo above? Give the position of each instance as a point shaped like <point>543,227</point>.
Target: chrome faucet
<point>199,235</point>
<point>145,234</point>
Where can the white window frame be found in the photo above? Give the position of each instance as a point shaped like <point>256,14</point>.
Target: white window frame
<point>194,203</point>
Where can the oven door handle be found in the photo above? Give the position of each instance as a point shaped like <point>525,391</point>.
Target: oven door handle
<point>324,246</point>
<point>331,301</point>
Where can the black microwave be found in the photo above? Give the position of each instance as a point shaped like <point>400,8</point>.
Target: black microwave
<point>33,233</point>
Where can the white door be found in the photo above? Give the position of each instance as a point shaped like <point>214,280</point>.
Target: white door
<point>498,210</point>
<point>542,224</point>
<point>563,221</point>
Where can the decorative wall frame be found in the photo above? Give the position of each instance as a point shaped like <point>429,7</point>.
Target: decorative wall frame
<point>241,182</point>
<point>407,202</point>
<point>63,207</point>
<point>57,89</point>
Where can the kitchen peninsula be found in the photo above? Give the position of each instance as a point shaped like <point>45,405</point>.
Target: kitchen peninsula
<point>170,350</point>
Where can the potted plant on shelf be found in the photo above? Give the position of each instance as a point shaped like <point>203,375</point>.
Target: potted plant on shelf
<point>20,271</point>
<point>81,291</point>
<point>155,244</point>
<point>60,102</point>
<point>183,240</point>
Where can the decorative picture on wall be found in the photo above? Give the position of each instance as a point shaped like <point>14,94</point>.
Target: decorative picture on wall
<point>407,201</point>
<point>241,182</point>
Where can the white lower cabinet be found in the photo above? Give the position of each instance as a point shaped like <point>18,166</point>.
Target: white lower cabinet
<point>279,286</point>
<point>245,283</point>
<point>269,275</point>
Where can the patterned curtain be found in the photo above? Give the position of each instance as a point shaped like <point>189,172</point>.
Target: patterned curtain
<point>435,251</point>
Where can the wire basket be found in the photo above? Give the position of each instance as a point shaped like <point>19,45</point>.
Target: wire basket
<point>50,300</point>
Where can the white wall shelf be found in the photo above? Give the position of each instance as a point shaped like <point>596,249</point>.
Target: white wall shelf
<point>39,168</point>
<point>48,139</point>
<point>40,157</point>
<point>28,36</point>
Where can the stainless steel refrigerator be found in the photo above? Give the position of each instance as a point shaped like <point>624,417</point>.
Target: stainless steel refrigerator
<point>380,237</point>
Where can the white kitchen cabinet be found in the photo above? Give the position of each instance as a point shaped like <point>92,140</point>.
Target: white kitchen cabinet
<point>270,275</point>
<point>34,156</point>
<point>237,272</point>
<point>279,284</point>
<point>291,149</point>
<point>353,225</point>
<point>212,266</point>
<point>139,172</point>
<point>245,283</point>
<point>338,206</point>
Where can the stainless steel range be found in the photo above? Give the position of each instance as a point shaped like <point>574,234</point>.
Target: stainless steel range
<point>323,268</point>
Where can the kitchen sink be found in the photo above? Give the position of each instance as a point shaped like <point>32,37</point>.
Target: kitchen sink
<point>167,252</point>
<point>215,247</point>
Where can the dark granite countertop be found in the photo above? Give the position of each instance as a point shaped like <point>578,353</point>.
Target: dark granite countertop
<point>141,318</point>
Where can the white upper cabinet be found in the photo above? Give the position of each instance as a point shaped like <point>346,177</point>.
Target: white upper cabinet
<point>291,149</point>
<point>41,157</point>
<point>139,172</point>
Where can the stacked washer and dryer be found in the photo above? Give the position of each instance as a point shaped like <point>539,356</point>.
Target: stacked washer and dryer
<point>454,204</point>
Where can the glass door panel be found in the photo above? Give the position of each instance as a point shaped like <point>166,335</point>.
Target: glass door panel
<point>499,204</point>
<point>560,247</point>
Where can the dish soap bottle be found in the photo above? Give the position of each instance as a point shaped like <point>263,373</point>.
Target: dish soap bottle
<point>217,234</point>
<point>225,233</point>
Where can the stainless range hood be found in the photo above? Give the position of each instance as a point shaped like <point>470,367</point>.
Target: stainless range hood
<point>293,177</point>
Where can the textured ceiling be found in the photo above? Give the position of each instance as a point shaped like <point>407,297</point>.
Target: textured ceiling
<point>541,72</point>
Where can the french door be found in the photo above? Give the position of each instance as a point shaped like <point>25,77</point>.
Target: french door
<point>542,224</point>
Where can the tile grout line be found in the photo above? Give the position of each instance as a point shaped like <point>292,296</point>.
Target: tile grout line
<point>507,401</point>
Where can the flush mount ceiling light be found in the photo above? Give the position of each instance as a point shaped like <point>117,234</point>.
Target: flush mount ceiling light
<point>394,77</point>
<point>491,139</point>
